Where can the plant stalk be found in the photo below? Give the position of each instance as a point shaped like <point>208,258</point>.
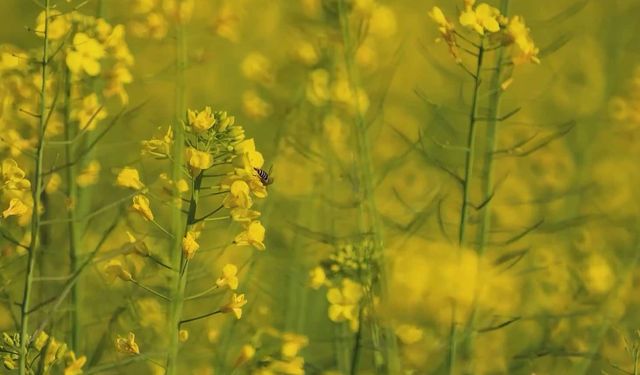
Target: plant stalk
<point>36,193</point>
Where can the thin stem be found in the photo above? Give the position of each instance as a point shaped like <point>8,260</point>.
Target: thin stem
<point>468,175</point>
<point>385,352</point>
<point>72,194</point>
<point>199,317</point>
<point>177,221</point>
<point>203,293</point>
<point>36,193</point>
<point>150,290</point>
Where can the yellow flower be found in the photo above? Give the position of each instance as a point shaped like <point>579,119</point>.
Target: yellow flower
<point>85,55</point>
<point>344,303</point>
<point>13,176</point>
<point>518,33</point>
<point>254,106</point>
<point>253,159</point>
<point>229,277</point>
<point>189,245</point>
<point>115,270</point>
<point>16,208</point>
<point>246,353</point>
<point>53,184</point>
<point>141,205</point>
<point>317,277</point>
<point>127,345</point>
<point>201,121</point>
<point>238,195</point>
<point>40,340</point>
<point>253,235</point>
<point>317,91</point>
<point>129,178</point>
<point>58,25</point>
<point>159,147</point>
<point>292,343</point>
<point>383,22</point>
<point>295,366</point>
<point>74,365</point>
<point>256,67</point>
<point>55,351</point>
<point>235,305</point>
<point>484,17</point>
<point>89,175</point>
<point>408,334</point>
<point>183,335</point>
<point>90,113</point>
<point>198,160</point>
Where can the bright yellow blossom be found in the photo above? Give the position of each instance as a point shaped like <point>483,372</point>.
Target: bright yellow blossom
<point>317,277</point>
<point>129,178</point>
<point>198,160</point>
<point>16,208</point>
<point>344,303</point>
<point>85,55</point>
<point>53,184</point>
<point>519,34</point>
<point>235,305</point>
<point>127,345</point>
<point>238,195</point>
<point>201,121</point>
<point>229,277</point>
<point>292,343</point>
<point>13,177</point>
<point>253,235</point>
<point>483,18</point>
<point>189,245</point>
<point>58,25</point>
<point>74,365</point>
<point>159,147</point>
<point>141,205</point>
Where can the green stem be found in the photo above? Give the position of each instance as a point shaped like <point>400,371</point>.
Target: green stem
<point>466,195</point>
<point>177,221</point>
<point>72,194</point>
<point>487,179</point>
<point>36,193</point>
<point>386,359</point>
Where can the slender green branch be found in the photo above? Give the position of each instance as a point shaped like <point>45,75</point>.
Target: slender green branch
<point>36,193</point>
<point>150,290</point>
<point>466,198</point>
<point>199,317</point>
<point>177,221</point>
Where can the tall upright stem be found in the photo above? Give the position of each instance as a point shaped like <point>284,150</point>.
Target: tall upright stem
<point>177,220</point>
<point>72,194</point>
<point>466,195</point>
<point>385,352</point>
<point>36,193</point>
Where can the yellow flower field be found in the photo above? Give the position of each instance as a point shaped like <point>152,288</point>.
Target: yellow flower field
<point>329,187</point>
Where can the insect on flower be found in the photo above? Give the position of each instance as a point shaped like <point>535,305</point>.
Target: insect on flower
<point>264,176</point>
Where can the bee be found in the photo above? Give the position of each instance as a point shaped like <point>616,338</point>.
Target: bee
<point>264,176</point>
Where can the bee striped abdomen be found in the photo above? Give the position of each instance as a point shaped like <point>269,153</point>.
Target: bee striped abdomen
<point>264,176</point>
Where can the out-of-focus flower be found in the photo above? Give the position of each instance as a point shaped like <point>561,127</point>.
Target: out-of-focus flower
<point>58,25</point>
<point>257,67</point>
<point>254,106</point>
<point>408,334</point>
<point>317,277</point>
<point>85,55</point>
<point>344,303</point>
<point>246,353</point>
<point>74,365</point>
<point>89,175</point>
<point>292,343</point>
<point>115,270</point>
<point>518,32</point>
<point>90,113</point>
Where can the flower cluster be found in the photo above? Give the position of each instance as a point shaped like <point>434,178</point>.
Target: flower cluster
<point>488,23</point>
<point>279,353</point>
<point>44,352</point>
<point>16,191</point>
<point>152,18</point>
<point>349,262</point>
